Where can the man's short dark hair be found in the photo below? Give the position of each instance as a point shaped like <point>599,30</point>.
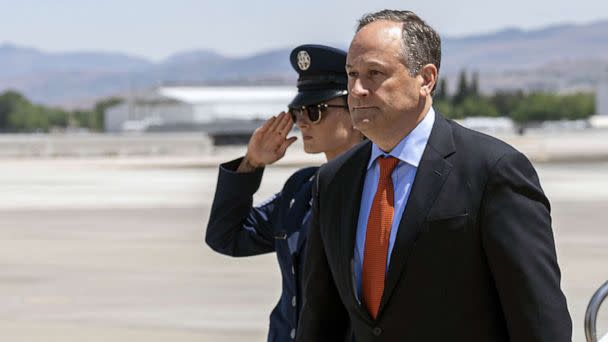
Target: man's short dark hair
<point>421,45</point>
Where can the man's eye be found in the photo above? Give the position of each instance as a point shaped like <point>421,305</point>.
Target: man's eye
<point>374,72</point>
<point>353,74</point>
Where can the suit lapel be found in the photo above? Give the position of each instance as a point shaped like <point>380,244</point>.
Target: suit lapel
<point>351,179</point>
<point>432,172</point>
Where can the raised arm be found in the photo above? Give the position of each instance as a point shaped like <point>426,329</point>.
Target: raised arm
<point>235,227</point>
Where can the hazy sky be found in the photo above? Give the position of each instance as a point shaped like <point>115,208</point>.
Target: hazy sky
<point>156,29</point>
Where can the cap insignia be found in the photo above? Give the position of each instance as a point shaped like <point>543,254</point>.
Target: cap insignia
<point>303,60</point>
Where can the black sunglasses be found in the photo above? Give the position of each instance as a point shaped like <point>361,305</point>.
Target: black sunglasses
<point>314,111</point>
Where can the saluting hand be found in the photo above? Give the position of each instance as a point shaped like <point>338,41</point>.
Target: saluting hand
<point>268,143</point>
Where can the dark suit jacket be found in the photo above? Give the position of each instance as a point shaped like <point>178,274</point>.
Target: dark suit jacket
<point>474,258</point>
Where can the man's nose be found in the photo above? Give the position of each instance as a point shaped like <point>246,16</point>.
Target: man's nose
<point>358,89</point>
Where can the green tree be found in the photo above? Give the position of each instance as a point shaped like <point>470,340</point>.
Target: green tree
<point>57,117</point>
<point>506,101</point>
<point>10,101</point>
<point>98,122</point>
<point>80,118</point>
<point>473,87</point>
<point>444,107</point>
<point>462,90</point>
<point>17,114</point>
<point>537,107</point>
<point>441,92</point>
<point>475,106</point>
<point>577,106</point>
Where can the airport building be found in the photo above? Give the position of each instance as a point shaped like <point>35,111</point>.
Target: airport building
<point>197,108</point>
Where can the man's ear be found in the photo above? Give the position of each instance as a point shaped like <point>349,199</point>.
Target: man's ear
<point>429,75</point>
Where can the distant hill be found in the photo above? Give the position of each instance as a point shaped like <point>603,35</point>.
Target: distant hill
<point>562,58</point>
<point>517,49</point>
<point>19,61</point>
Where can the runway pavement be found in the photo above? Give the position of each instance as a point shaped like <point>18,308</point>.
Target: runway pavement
<point>112,250</point>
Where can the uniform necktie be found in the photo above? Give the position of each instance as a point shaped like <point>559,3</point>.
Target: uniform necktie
<point>377,237</point>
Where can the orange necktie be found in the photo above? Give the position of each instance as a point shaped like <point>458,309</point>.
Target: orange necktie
<point>377,237</point>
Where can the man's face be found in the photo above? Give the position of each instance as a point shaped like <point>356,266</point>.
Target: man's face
<point>383,98</point>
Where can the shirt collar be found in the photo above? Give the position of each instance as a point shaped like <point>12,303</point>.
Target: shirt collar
<point>411,147</point>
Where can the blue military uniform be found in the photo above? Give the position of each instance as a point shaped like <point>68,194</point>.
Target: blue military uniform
<point>280,224</point>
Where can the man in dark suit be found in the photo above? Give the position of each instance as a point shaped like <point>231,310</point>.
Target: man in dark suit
<point>429,231</point>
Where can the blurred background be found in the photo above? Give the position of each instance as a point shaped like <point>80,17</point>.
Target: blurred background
<point>114,117</point>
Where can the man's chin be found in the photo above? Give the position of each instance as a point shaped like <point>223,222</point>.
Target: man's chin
<point>362,123</point>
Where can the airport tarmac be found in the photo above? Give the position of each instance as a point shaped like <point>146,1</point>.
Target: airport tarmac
<point>112,250</point>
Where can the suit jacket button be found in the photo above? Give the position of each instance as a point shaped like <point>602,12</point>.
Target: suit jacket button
<point>377,331</point>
